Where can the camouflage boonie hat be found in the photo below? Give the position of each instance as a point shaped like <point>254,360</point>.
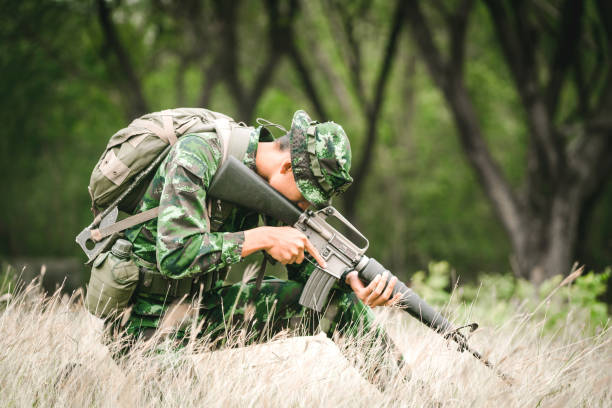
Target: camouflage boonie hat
<point>320,158</point>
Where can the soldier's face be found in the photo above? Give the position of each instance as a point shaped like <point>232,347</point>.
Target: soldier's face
<point>283,181</point>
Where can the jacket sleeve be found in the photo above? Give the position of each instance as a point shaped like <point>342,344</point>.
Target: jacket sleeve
<point>185,245</point>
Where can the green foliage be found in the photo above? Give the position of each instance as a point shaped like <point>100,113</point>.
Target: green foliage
<point>6,280</point>
<point>588,290</point>
<point>497,298</point>
<point>433,285</point>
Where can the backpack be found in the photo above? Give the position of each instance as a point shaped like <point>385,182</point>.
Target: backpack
<point>130,159</point>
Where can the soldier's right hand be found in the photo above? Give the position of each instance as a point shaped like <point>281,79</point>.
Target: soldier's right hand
<point>285,244</point>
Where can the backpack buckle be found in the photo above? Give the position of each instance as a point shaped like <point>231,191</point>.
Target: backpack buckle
<point>87,238</point>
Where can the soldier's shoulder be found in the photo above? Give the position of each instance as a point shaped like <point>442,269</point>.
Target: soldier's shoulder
<point>198,152</point>
<point>198,142</point>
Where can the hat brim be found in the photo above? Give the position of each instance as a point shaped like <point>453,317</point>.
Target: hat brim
<point>300,161</point>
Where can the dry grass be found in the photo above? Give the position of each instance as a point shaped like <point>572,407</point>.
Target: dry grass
<point>51,354</point>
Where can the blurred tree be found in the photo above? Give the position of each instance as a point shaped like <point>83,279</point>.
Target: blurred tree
<point>558,55</point>
<point>123,74</point>
<point>206,35</point>
<point>344,18</point>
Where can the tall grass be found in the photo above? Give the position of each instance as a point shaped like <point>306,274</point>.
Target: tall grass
<point>52,353</point>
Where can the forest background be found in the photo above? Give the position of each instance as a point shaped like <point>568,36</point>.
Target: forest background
<point>481,130</point>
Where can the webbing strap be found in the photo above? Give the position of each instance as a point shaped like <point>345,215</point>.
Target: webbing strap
<point>239,142</point>
<point>169,128</point>
<point>100,234</point>
<point>224,131</point>
<point>235,139</point>
<point>165,132</point>
<point>235,142</point>
<point>154,283</point>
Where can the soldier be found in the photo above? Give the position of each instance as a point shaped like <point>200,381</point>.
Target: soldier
<point>186,251</point>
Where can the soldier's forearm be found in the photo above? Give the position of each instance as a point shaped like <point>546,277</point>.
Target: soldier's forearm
<point>255,239</point>
<point>183,256</point>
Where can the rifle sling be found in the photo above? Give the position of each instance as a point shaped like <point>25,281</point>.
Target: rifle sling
<point>261,273</point>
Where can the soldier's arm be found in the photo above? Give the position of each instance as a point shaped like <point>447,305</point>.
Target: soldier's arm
<point>185,245</point>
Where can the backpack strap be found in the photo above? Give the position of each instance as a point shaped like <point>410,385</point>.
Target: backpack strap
<point>235,142</point>
<point>100,234</point>
<point>166,132</point>
<point>239,142</point>
<point>235,139</point>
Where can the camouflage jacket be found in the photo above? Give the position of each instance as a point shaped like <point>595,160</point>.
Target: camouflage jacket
<point>181,241</point>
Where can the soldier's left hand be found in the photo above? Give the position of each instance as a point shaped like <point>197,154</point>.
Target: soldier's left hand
<point>375,294</point>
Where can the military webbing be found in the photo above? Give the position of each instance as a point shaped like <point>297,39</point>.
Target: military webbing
<point>237,147</point>
<point>100,234</point>
<point>154,283</point>
<point>238,143</point>
<point>165,133</point>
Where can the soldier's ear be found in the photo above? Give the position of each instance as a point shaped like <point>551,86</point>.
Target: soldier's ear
<point>286,166</point>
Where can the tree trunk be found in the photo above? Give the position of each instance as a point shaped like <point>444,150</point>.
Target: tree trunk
<point>123,72</point>
<point>545,242</point>
<point>542,220</point>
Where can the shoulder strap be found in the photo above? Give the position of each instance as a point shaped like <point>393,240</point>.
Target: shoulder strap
<point>239,141</point>
<point>100,234</point>
<point>235,141</point>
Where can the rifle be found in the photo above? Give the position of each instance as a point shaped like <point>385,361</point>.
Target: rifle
<point>237,184</point>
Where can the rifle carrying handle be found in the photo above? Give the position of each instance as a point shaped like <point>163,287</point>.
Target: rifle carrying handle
<point>410,301</point>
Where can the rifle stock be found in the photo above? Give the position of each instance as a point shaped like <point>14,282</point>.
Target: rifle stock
<point>235,183</point>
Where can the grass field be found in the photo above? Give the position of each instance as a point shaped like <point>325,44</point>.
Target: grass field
<point>52,354</point>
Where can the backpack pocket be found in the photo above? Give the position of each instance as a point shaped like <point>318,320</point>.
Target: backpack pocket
<point>111,285</point>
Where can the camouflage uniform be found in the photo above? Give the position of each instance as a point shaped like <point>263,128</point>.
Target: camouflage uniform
<point>182,243</point>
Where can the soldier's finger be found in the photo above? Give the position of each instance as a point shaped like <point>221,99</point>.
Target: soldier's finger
<point>395,300</point>
<point>295,255</point>
<point>370,288</point>
<point>317,256</point>
<point>389,289</point>
<point>378,290</point>
<point>383,299</point>
<point>300,258</point>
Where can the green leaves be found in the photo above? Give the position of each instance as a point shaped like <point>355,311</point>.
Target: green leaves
<point>495,299</point>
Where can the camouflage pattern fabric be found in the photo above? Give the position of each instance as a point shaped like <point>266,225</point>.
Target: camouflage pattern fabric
<point>320,158</point>
<point>179,241</point>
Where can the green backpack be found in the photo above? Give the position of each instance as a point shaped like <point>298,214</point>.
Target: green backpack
<point>132,149</point>
<point>121,176</point>
<point>119,181</point>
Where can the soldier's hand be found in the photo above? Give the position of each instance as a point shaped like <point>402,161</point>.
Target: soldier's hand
<point>285,244</point>
<point>375,294</point>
